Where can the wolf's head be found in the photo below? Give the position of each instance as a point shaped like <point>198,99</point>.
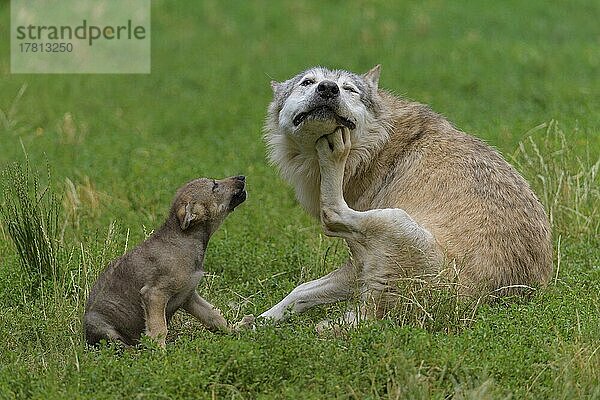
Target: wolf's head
<point>316,101</point>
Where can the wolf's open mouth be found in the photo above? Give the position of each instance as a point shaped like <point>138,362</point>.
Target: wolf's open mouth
<point>237,199</point>
<point>322,110</point>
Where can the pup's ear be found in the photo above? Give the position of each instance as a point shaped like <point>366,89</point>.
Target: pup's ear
<point>372,76</point>
<point>187,213</point>
<point>275,85</point>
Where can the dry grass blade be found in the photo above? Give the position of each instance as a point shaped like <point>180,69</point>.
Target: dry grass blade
<point>8,118</point>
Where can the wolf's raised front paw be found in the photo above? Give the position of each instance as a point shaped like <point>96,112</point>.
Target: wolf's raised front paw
<point>334,147</point>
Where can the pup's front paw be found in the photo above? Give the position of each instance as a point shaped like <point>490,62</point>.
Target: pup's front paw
<point>333,149</point>
<point>154,342</point>
<point>247,322</point>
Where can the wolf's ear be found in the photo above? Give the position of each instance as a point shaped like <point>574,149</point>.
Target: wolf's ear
<point>187,213</point>
<point>275,85</point>
<point>372,76</point>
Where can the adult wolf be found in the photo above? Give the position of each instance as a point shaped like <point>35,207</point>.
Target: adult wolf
<point>410,193</point>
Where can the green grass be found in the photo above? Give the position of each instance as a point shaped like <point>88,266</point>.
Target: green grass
<point>119,145</point>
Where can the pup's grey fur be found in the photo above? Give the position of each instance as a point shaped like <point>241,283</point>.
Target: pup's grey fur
<point>410,193</point>
<point>142,289</point>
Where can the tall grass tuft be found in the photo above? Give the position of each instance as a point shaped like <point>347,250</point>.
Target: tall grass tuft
<point>434,303</point>
<point>31,215</point>
<point>566,183</point>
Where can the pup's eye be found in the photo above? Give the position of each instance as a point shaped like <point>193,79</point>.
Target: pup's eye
<point>215,186</point>
<point>350,89</point>
<point>307,82</point>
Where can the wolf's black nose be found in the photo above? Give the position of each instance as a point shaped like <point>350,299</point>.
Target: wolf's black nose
<point>328,89</point>
<point>240,178</point>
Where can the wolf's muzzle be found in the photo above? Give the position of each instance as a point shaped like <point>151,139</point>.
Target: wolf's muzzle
<point>328,89</point>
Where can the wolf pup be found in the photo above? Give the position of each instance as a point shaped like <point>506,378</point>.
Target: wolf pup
<point>141,290</point>
<point>413,196</point>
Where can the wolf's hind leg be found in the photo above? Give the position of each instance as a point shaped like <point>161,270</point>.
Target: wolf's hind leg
<point>386,244</point>
<point>333,151</point>
<point>340,220</point>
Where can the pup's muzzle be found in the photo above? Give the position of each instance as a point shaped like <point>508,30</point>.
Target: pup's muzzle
<point>239,195</point>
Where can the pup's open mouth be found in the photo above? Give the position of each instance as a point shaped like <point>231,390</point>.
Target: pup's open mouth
<point>322,112</point>
<point>237,199</point>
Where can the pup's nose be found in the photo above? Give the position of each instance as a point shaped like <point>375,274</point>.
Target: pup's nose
<point>240,178</point>
<point>328,89</point>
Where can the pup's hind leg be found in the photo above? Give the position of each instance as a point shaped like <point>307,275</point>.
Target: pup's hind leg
<point>386,244</point>
<point>155,303</point>
<point>206,313</point>
<point>97,328</point>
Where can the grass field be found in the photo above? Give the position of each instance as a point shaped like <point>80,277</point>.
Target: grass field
<point>524,76</point>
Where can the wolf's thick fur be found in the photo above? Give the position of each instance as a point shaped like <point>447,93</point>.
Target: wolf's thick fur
<point>479,213</point>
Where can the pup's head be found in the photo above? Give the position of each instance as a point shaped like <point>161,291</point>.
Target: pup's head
<point>206,202</point>
<point>317,101</point>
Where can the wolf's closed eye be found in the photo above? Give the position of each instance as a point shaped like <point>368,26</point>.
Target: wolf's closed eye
<point>350,88</point>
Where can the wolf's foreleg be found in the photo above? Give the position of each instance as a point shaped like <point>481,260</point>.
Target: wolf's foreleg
<point>336,286</point>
